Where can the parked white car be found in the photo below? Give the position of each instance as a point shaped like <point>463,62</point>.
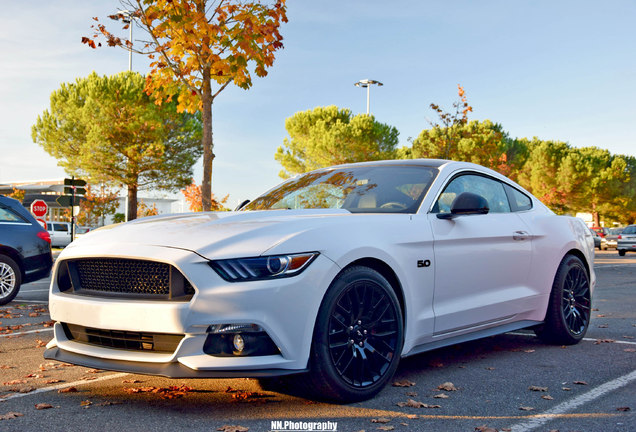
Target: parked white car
<point>335,274</point>
<point>60,233</point>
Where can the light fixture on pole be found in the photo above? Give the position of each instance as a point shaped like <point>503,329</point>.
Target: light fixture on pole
<point>127,18</point>
<point>368,83</point>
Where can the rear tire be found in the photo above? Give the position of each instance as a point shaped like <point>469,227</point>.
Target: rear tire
<point>568,315</point>
<point>10,279</point>
<point>358,337</point>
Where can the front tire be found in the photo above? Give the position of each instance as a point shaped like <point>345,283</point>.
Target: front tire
<point>10,279</point>
<point>358,337</point>
<point>621,252</point>
<point>568,315</point>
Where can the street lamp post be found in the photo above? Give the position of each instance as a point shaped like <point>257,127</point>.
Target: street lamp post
<point>368,83</point>
<point>127,18</point>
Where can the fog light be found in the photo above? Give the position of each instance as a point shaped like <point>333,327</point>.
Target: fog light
<point>239,343</point>
<point>230,340</point>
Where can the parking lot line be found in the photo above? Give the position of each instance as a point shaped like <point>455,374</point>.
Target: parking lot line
<point>65,385</point>
<point>584,339</point>
<point>26,332</point>
<point>572,404</point>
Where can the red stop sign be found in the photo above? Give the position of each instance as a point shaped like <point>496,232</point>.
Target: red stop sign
<point>39,208</point>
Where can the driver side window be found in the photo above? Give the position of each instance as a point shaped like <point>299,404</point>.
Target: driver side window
<point>492,190</point>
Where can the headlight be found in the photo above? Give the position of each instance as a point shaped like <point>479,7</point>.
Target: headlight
<point>259,268</point>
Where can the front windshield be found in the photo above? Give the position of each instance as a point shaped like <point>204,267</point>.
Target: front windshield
<point>359,189</point>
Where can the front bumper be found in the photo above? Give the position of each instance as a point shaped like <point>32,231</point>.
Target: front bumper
<point>169,370</point>
<point>285,308</point>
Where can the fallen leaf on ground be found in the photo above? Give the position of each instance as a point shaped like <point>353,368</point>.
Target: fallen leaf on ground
<point>441,396</point>
<point>600,341</point>
<point>566,388</point>
<point>53,381</point>
<point>10,415</point>
<point>447,386</point>
<point>381,420</point>
<point>415,404</point>
<point>580,382</point>
<point>490,368</point>
<point>131,381</point>
<point>247,396</point>
<point>86,403</point>
<point>485,428</point>
<point>529,351</point>
<point>624,409</point>
<point>386,428</point>
<point>68,390</point>
<point>411,394</point>
<point>547,397</point>
<point>603,326</point>
<point>403,383</point>
<point>233,428</point>
<point>14,382</point>
<point>629,350</point>
<point>526,408</point>
<point>42,406</point>
<point>538,389</point>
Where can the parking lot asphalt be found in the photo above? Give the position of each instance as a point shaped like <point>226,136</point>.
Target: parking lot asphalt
<point>508,382</point>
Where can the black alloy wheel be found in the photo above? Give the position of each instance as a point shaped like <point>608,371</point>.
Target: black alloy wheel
<point>358,336</point>
<point>568,315</point>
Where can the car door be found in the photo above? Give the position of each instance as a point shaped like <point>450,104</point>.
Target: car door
<point>60,236</point>
<point>482,261</point>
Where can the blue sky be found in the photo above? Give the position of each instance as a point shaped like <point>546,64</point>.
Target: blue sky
<point>560,70</point>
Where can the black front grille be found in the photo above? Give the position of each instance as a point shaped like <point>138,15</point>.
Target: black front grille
<point>123,277</point>
<point>127,340</point>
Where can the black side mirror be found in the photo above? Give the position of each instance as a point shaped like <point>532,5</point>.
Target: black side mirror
<point>466,203</point>
<point>241,205</point>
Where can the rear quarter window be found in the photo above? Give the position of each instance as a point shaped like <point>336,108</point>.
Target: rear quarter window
<point>518,200</point>
<point>9,216</point>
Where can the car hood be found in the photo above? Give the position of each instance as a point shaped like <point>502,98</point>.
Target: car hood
<point>213,235</point>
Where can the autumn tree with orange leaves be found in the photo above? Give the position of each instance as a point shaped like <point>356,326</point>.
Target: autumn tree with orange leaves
<point>201,46</point>
<point>193,197</point>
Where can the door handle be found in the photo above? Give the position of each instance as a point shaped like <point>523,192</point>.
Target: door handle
<point>520,235</point>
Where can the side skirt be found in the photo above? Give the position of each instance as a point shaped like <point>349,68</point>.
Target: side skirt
<point>492,331</point>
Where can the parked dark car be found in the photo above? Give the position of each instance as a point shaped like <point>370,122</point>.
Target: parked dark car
<point>599,242</point>
<point>25,249</point>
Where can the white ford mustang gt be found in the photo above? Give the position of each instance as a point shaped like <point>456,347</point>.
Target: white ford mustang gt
<point>334,274</point>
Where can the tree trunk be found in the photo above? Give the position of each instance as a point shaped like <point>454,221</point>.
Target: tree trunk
<point>595,216</point>
<point>208,145</point>
<point>132,202</point>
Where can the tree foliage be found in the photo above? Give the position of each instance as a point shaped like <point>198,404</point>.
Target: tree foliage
<point>144,210</point>
<point>199,47</point>
<point>17,194</point>
<point>193,197</point>
<point>97,205</point>
<point>330,135</point>
<point>566,178</point>
<point>107,129</point>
